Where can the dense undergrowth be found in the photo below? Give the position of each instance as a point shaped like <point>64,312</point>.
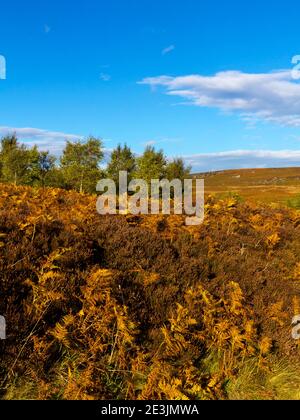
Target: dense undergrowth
<point>143,307</point>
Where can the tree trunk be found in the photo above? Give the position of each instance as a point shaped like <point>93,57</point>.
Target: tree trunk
<point>81,183</point>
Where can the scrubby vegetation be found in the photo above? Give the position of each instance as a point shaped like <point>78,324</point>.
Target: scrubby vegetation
<point>267,185</point>
<point>123,307</point>
<point>80,165</point>
<point>294,202</point>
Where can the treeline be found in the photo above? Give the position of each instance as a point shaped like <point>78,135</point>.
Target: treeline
<point>80,165</point>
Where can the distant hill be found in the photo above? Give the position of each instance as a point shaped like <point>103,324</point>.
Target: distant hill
<point>267,185</point>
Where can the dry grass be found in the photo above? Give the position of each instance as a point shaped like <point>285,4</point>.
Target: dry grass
<point>264,185</point>
<point>144,307</point>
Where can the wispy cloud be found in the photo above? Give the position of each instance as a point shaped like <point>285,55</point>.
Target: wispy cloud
<point>53,141</point>
<point>272,97</point>
<point>47,29</point>
<point>167,50</point>
<point>150,143</point>
<point>240,159</point>
<point>105,77</point>
<point>162,140</point>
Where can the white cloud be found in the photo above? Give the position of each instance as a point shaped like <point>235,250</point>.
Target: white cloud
<point>105,77</point>
<point>162,140</point>
<point>47,29</point>
<point>238,159</point>
<point>150,143</point>
<point>272,97</point>
<point>53,141</point>
<point>167,50</point>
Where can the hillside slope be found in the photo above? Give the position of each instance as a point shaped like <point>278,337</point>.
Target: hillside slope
<point>265,185</point>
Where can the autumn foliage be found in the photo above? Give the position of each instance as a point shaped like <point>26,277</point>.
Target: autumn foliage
<point>127,307</point>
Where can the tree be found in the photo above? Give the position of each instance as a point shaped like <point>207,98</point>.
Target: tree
<point>151,165</point>
<point>80,164</point>
<point>17,161</point>
<point>55,178</point>
<point>8,144</point>
<point>44,168</point>
<point>122,159</point>
<point>176,169</point>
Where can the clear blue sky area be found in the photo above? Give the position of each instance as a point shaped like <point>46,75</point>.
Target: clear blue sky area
<point>211,81</point>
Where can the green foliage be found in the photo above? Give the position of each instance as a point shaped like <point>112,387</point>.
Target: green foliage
<point>18,163</point>
<point>55,178</point>
<point>176,169</point>
<point>122,159</point>
<point>43,169</point>
<point>151,165</point>
<point>294,203</point>
<point>80,164</point>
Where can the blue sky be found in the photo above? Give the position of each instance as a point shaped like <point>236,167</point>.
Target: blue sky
<point>210,81</point>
